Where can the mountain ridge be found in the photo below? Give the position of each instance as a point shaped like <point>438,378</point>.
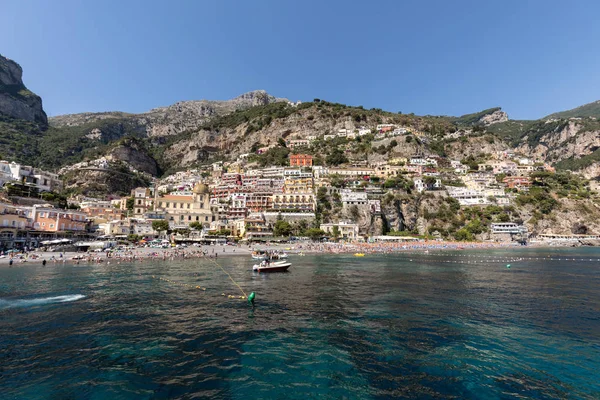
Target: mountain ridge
<point>586,110</point>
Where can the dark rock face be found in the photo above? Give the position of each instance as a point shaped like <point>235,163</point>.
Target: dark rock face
<point>15,99</point>
<point>135,157</point>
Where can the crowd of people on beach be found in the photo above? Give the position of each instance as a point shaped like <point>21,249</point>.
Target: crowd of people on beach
<point>212,251</point>
<point>387,248</point>
<point>117,255</point>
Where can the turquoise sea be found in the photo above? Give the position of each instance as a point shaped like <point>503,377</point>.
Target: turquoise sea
<point>452,325</point>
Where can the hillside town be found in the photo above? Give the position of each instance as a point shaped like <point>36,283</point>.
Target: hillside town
<point>241,201</point>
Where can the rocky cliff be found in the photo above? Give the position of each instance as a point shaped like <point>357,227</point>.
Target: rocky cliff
<point>171,120</point>
<point>495,117</point>
<point>15,99</point>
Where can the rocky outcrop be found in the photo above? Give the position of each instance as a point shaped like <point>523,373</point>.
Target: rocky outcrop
<point>475,146</point>
<point>15,99</point>
<point>183,116</point>
<point>100,182</point>
<point>571,139</point>
<point>591,172</point>
<point>494,118</point>
<point>135,156</point>
<point>572,217</point>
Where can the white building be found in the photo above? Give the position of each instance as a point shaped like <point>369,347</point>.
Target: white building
<point>508,227</point>
<point>468,197</point>
<point>423,161</point>
<point>350,197</point>
<point>44,181</point>
<point>346,230</point>
<point>421,185</point>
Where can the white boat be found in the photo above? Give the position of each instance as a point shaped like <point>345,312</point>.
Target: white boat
<point>264,255</point>
<point>274,266</point>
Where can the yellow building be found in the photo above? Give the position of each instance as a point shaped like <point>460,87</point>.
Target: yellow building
<point>299,202</point>
<point>298,185</point>
<point>386,171</point>
<point>13,224</point>
<point>398,160</point>
<point>182,210</point>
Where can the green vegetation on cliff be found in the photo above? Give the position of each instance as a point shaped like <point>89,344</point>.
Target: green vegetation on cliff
<point>586,110</point>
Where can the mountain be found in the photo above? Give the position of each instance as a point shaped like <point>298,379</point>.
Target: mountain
<point>190,133</point>
<point>15,99</point>
<point>173,119</point>
<point>584,111</point>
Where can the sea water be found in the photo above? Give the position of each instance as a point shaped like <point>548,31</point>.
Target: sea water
<point>449,325</point>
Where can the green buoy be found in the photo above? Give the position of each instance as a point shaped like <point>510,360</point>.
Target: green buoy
<point>508,266</point>
<point>251,298</point>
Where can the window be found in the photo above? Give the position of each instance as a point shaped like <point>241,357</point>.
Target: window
<point>188,206</point>
<point>43,224</point>
<point>206,219</point>
<point>51,225</point>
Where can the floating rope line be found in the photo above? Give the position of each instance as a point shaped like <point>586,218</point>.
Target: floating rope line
<point>244,296</point>
<point>232,280</point>
<point>500,258</point>
<point>179,283</point>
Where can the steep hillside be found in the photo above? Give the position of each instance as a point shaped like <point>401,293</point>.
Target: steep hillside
<point>244,131</point>
<point>190,133</point>
<point>15,99</point>
<point>584,111</point>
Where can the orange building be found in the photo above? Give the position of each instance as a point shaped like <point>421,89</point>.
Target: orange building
<point>517,182</point>
<point>57,220</point>
<point>301,160</point>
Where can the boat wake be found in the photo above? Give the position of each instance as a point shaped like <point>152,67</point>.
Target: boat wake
<point>4,304</point>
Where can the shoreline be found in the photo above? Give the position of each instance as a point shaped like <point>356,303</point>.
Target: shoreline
<point>213,252</point>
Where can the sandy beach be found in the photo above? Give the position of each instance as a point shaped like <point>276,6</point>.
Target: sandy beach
<point>146,253</point>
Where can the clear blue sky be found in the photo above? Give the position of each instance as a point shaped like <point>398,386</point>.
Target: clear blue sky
<point>428,57</point>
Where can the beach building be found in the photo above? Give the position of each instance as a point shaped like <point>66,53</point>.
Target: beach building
<point>49,219</point>
<point>181,210</point>
<point>346,230</point>
<point>508,227</point>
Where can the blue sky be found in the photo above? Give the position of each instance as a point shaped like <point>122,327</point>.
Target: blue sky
<point>428,57</point>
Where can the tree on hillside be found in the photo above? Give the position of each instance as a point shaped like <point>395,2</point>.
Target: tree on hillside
<point>160,226</point>
<point>282,228</point>
<point>315,233</point>
<point>130,203</point>
<point>133,237</point>
<point>197,226</point>
<point>335,231</point>
<point>336,157</point>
